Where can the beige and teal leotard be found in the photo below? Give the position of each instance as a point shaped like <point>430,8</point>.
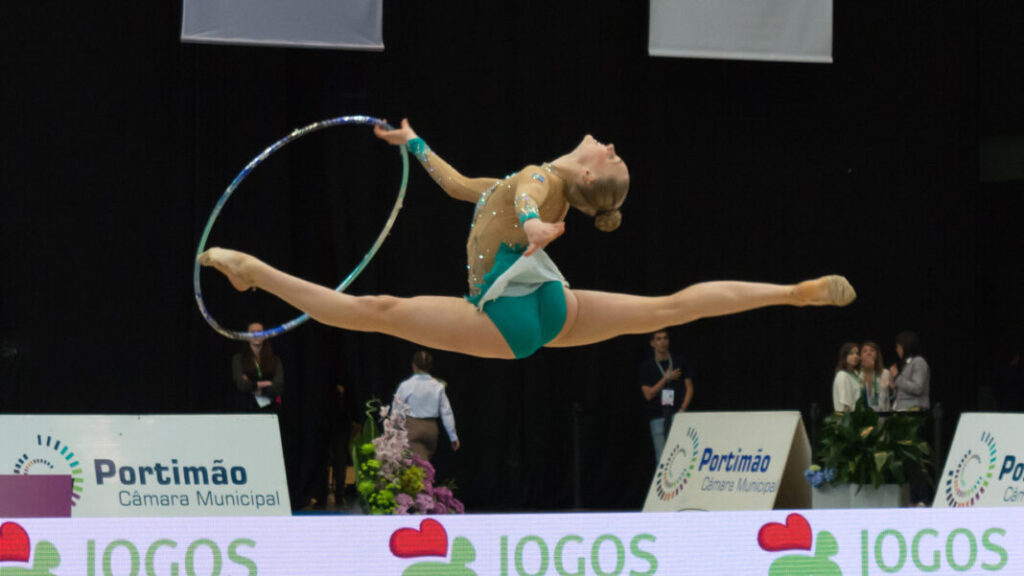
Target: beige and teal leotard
<point>523,297</point>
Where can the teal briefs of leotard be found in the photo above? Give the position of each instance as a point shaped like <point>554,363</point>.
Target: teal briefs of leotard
<point>526,322</point>
<point>529,322</point>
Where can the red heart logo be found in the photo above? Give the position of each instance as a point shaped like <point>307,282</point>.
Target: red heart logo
<point>795,534</point>
<point>430,540</point>
<point>14,544</point>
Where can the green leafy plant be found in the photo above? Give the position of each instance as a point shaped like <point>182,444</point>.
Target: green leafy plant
<point>863,447</point>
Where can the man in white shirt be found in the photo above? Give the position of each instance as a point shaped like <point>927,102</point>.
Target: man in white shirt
<point>426,400</point>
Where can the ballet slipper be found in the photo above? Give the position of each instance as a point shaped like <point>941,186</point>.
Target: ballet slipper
<point>831,290</point>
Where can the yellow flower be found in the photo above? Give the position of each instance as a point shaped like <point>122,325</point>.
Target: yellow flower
<point>412,480</point>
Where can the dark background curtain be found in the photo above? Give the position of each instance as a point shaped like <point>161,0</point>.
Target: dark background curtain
<point>898,166</point>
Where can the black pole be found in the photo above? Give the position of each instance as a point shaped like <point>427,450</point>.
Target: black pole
<point>940,451</point>
<point>815,414</point>
<point>577,456</point>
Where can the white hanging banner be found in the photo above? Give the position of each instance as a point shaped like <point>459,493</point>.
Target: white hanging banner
<point>781,30</point>
<point>732,461</point>
<point>985,465</point>
<point>165,465</point>
<point>353,24</point>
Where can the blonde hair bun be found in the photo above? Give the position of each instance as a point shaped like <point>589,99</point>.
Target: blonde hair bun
<point>608,221</point>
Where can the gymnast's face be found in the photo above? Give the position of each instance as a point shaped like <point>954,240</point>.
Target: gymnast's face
<point>601,159</point>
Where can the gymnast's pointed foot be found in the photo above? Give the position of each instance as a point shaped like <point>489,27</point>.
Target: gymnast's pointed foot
<point>230,263</point>
<point>825,291</point>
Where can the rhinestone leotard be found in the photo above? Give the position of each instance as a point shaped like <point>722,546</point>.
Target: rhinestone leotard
<point>502,205</point>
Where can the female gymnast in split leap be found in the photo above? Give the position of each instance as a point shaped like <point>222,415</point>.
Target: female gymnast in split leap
<point>518,301</point>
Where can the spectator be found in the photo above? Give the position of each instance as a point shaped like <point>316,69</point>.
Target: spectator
<point>912,381</point>
<point>258,373</point>
<point>667,385</point>
<point>846,386</point>
<point>877,380</point>
<point>911,376</point>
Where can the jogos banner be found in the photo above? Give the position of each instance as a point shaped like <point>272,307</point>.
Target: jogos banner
<point>769,543</point>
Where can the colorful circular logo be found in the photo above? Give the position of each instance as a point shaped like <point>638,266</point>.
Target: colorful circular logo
<point>51,456</point>
<point>967,482</point>
<point>675,471</point>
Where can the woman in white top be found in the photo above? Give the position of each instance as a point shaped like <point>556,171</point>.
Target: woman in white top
<point>877,380</point>
<point>846,386</point>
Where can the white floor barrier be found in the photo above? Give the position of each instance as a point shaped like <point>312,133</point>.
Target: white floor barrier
<point>88,466</point>
<point>985,465</point>
<point>804,543</point>
<point>732,461</point>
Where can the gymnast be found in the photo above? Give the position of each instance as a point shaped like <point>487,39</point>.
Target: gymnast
<point>518,301</point>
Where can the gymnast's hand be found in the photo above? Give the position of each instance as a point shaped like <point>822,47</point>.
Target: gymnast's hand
<point>540,233</point>
<point>397,136</point>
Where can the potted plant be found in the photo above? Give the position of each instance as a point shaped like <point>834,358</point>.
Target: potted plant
<point>874,456</point>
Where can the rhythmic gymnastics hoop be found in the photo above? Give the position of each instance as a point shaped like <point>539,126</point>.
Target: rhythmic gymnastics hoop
<point>295,135</point>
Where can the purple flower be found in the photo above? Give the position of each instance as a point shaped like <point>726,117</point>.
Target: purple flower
<point>403,503</point>
<point>428,469</point>
<point>424,502</point>
<point>445,497</point>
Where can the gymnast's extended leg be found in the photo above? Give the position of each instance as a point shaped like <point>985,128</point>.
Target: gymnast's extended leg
<point>438,322</point>
<point>598,316</point>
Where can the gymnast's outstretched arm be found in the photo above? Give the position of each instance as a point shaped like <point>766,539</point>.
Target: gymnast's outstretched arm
<point>449,179</point>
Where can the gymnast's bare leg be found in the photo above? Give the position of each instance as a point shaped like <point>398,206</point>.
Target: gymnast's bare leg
<point>455,325</point>
<point>438,322</point>
<point>598,316</point>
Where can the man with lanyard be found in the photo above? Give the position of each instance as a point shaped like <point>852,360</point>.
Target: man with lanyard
<point>667,386</point>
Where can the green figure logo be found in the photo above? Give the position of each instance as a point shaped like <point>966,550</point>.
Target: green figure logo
<point>15,546</point>
<point>796,534</point>
<point>431,540</point>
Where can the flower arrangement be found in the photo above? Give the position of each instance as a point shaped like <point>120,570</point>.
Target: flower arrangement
<point>391,479</point>
<point>861,447</point>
